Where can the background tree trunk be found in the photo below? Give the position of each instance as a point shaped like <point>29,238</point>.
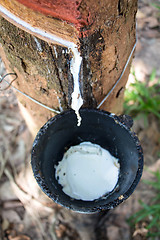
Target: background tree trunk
<point>105,39</point>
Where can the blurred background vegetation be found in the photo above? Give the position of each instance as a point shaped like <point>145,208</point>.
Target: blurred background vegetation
<point>142,101</point>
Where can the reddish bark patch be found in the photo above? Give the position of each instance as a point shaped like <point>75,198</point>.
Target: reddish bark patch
<point>67,10</point>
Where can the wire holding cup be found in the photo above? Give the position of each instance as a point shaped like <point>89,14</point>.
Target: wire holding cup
<point>9,84</point>
<point>24,94</point>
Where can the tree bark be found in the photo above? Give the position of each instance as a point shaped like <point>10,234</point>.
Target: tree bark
<point>105,38</point>
<point>43,68</point>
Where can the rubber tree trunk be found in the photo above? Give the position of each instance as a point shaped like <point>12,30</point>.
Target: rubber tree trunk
<point>105,33</point>
<point>105,38</point>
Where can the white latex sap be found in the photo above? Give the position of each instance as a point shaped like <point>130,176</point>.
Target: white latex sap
<point>76,61</point>
<point>77,100</point>
<point>87,172</point>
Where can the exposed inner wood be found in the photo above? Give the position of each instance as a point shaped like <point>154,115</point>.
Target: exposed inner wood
<point>46,24</point>
<point>67,10</point>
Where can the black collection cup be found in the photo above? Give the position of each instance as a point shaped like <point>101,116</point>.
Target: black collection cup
<point>111,132</point>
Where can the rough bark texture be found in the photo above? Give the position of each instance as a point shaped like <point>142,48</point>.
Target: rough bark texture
<point>43,71</point>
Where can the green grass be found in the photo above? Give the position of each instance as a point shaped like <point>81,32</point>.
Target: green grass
<point>156,5</point>
<point>150,214</point>
<point>143,97</point>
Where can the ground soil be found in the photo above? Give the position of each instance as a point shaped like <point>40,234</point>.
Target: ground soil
<point>25,212</point>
